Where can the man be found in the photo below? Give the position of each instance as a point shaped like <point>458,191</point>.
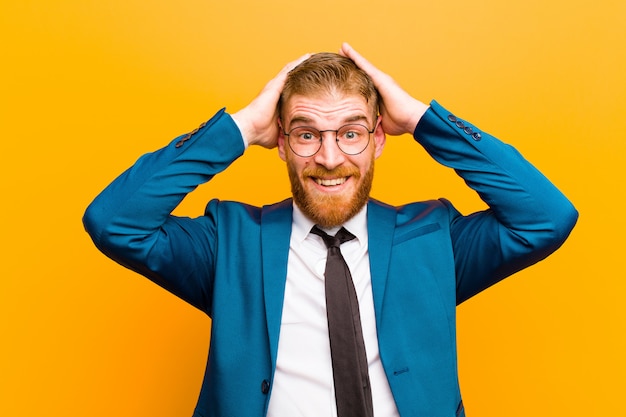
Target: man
<point>260,273</point>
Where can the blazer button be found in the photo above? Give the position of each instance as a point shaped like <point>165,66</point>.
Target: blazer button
<point>477,136</point>
<point>460,124</point>
<point>452,118</point>
<point>265,386</point>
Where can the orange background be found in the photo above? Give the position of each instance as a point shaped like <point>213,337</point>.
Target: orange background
<point>88,86</point>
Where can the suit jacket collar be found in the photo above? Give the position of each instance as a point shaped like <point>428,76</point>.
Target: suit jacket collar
<point>381,223</point>
<point>275,236</point>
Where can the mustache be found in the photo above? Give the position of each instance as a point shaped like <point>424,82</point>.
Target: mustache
<point>339,172</point>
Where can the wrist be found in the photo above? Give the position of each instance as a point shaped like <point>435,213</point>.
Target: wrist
<point>245,128</point>
<point>419,109</point>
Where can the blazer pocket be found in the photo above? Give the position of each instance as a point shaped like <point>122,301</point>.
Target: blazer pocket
<point>403,236</point>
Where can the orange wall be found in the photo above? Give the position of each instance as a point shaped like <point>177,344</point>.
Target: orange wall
<point>87,86</point>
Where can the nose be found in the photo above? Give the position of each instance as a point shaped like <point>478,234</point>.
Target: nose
<point>329,155</point>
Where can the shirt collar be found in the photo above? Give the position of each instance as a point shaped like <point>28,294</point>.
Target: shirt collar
<point>357,225</point>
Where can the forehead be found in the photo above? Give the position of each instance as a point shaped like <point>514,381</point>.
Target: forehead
<point>326,108</point>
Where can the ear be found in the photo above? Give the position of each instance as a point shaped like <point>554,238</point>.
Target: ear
<point>379,138</point>
<point>282,141</point>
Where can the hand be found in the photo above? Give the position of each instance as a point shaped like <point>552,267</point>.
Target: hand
<point>259,119</point>
<point>399,111</point>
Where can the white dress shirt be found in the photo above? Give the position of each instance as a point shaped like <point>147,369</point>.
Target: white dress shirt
<point>303,381</point>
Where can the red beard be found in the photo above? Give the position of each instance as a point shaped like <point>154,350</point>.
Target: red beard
<point>330,210</point>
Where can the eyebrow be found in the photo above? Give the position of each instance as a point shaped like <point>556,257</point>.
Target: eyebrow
<point>356,118</point>
<point>303,120</point>
<point>299,120</point>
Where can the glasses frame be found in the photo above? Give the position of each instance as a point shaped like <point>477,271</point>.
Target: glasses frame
<point>369,136</point>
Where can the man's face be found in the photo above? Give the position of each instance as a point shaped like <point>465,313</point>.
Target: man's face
<point>330,187</point>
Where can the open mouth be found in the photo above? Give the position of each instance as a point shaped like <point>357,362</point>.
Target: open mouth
<point>330,182</point>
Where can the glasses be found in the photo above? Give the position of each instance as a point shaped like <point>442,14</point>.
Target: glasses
<point>306,141</point>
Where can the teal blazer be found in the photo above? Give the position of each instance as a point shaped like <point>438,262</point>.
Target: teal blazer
<point>425,258</point>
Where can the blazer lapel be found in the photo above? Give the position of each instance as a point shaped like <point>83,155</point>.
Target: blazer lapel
<point>275,235</point>
<point>381,223</point>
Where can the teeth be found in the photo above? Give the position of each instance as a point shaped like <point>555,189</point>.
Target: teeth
<point>334,181</point>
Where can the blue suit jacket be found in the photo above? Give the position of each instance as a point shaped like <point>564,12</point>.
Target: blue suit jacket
<point>425,258</point>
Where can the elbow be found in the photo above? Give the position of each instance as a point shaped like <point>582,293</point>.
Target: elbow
<point>92,222</point>
<point>96,221</point>
<point>542,237</point>
<point>558,229</point>
<point>564,223</point>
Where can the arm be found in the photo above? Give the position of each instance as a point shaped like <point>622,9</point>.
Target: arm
<point>131,221</point>
<point>528,218</point>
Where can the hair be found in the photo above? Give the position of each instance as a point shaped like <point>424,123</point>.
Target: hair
<point>328,73</point>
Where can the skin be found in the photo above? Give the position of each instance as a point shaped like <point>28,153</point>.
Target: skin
<point>259,123</point>
<point>330,187</point>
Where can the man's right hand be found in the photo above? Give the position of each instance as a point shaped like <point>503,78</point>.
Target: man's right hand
<point>258,121</point>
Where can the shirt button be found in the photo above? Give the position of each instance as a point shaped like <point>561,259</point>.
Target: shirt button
<point>265,386</point>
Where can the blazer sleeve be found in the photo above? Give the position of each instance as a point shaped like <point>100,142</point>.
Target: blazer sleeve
<point>131,222</point>
<point>528,217</point>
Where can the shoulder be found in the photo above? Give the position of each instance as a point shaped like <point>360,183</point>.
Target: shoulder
<point>238,211</point>
<point>411,212</point>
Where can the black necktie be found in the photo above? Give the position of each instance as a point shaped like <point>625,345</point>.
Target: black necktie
<point>353,394</point>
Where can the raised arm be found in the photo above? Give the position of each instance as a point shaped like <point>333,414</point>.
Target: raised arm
<point>131,222</point>
<point>528,217</point>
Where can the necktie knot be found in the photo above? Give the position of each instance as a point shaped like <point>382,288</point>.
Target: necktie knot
<point>342,236</point>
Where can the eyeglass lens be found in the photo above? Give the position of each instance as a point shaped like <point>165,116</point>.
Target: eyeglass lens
<point>352,139</point>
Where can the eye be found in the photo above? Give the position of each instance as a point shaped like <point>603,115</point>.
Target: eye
<point>352,133</point>
<point>305,134</point>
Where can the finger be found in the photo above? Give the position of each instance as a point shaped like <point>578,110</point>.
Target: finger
<point>278,81</point>
<point>349,52</point>
<point>290,66</point>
